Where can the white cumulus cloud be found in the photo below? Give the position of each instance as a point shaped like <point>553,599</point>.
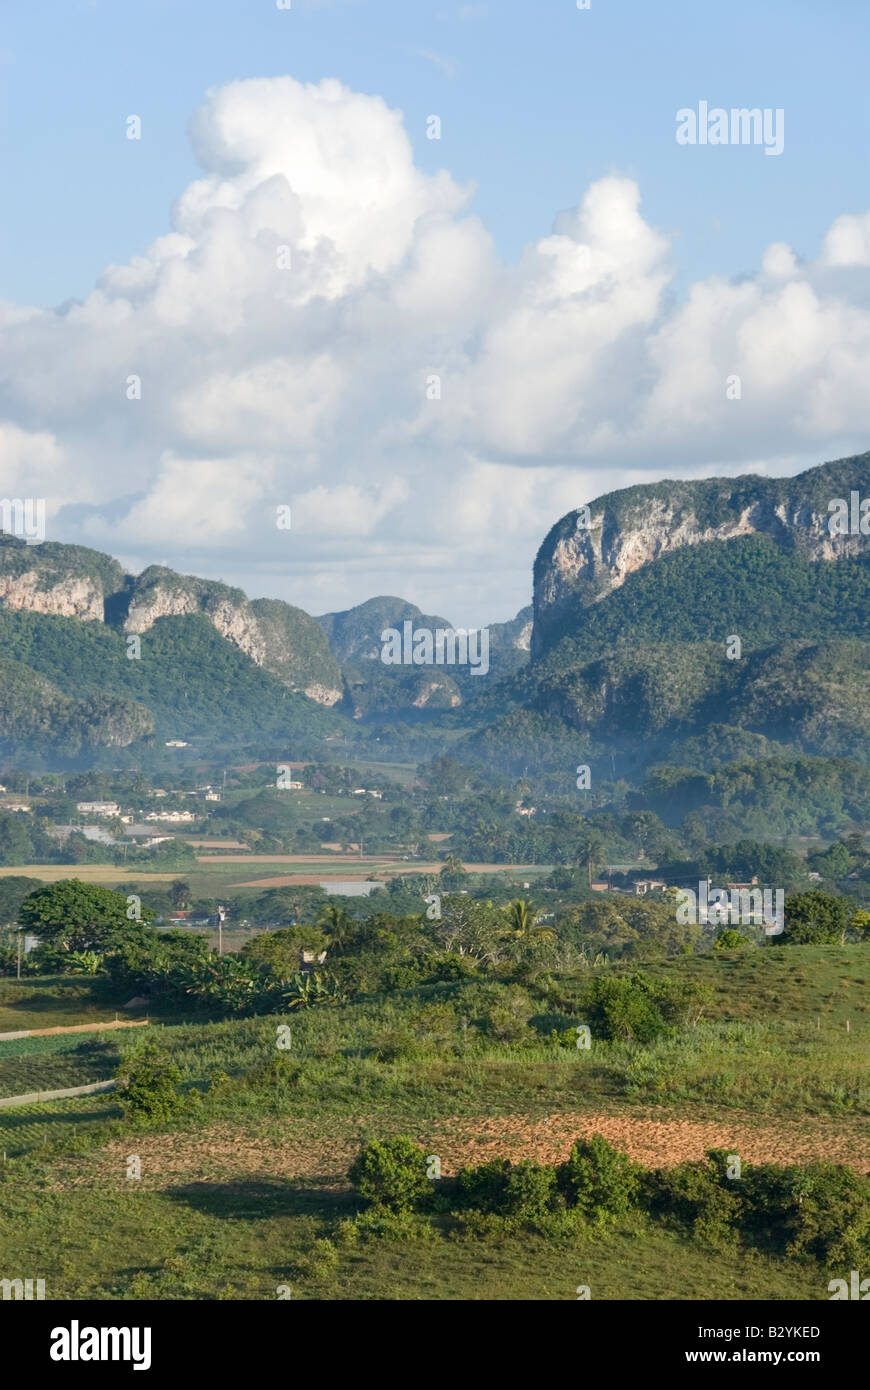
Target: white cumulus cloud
<point>324,325</point>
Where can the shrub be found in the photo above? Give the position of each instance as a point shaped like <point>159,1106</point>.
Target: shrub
<point>483,1188</point>
<point>436,1024</point>
<point>597,1179</point>
<point>530,1190</point>
<point>504,1025</point>
<point>638,1008</point>
<point>820,1209</point>
<point>695,1195</point>
<point>448,965</point>
<point>392,1173</point>
<point>501,1188</point>
<point>623,1007</point>
<point>148,1091</point>
<point>729,940</point>
<point>395,1044</point>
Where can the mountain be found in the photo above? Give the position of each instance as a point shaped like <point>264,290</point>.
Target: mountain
<point>635,613</point>
<point>34,712</point>
<point>355,634</point>
<point>374,688</point>
<point>71,581</point>
<point>296,650</point>
<point>75,688</point>
<point>585,558</point>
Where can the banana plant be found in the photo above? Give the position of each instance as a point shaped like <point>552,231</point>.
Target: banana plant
<point>306,990</point>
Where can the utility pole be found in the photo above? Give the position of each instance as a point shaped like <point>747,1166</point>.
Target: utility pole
<point>19,953</point>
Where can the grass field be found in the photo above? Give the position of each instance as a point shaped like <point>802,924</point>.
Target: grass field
<point>53,1001</point>
<point>216,874</point>
<point>240,1196</point>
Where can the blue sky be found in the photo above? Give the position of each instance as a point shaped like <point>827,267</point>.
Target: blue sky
<point>542,99</point>
<point>562,378</point>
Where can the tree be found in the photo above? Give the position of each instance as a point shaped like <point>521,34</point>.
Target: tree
<point>337,921</point>
<point>280,952</point>
<point>470,928</point>
<point>74,916</point>
<point>13,890</point>
<point>179,893</point>
<point>817,919</point>
<point>523,921</point>
<point>149,1082</point>
<point>593,849</point>
<point>860,924</point>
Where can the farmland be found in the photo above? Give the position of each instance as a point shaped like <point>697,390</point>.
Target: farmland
<point>250,1189</point>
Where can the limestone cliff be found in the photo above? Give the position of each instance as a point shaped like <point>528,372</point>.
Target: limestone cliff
<point>585,557</point>
<point>71,581</point>
<point>67,581</point>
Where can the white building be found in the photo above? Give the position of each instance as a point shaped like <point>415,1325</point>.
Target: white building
<point>98,808</point>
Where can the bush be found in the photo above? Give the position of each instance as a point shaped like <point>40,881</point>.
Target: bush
<point>638,1008</point>
<point>501,1188</point>
<point>148,1091</point>
<point>695,1195</point>
<point>504,1025</point>
<point>483,1188</point>
<point>447,966</point>
<point>821,1209</point>
<point>623,1007</point>
<point>395,1044</point>
<point>729,940</point>
<point>530,1190</point>
<point>599,1180</point>
<point>392,1173</point>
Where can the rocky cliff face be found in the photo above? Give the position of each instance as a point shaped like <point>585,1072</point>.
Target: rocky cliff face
<point>297,651</point>
<point>69,598</point>
<point>161,593</point>
<point>71,581</point>
<point>592,551</point>
<point>66,581</point>
<point>283,639</point>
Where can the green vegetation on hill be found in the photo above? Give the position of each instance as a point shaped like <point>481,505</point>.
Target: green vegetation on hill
<point>36,713</point>
<point>704,593</point>
<point>643,700</point>
<point>355,634</point>
<point>296,646</point>
<point>189,681</point>
<point>54,563</point>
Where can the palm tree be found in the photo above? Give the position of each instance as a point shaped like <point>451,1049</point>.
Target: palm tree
<point>338,923</point>
<point>593,850</point>
<point>522,917</point>
<point>453,865</point>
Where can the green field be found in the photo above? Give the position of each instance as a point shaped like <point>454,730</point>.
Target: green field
<point>239,1196</point>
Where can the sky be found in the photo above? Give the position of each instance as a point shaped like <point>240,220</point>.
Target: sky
<point>285,294</point>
